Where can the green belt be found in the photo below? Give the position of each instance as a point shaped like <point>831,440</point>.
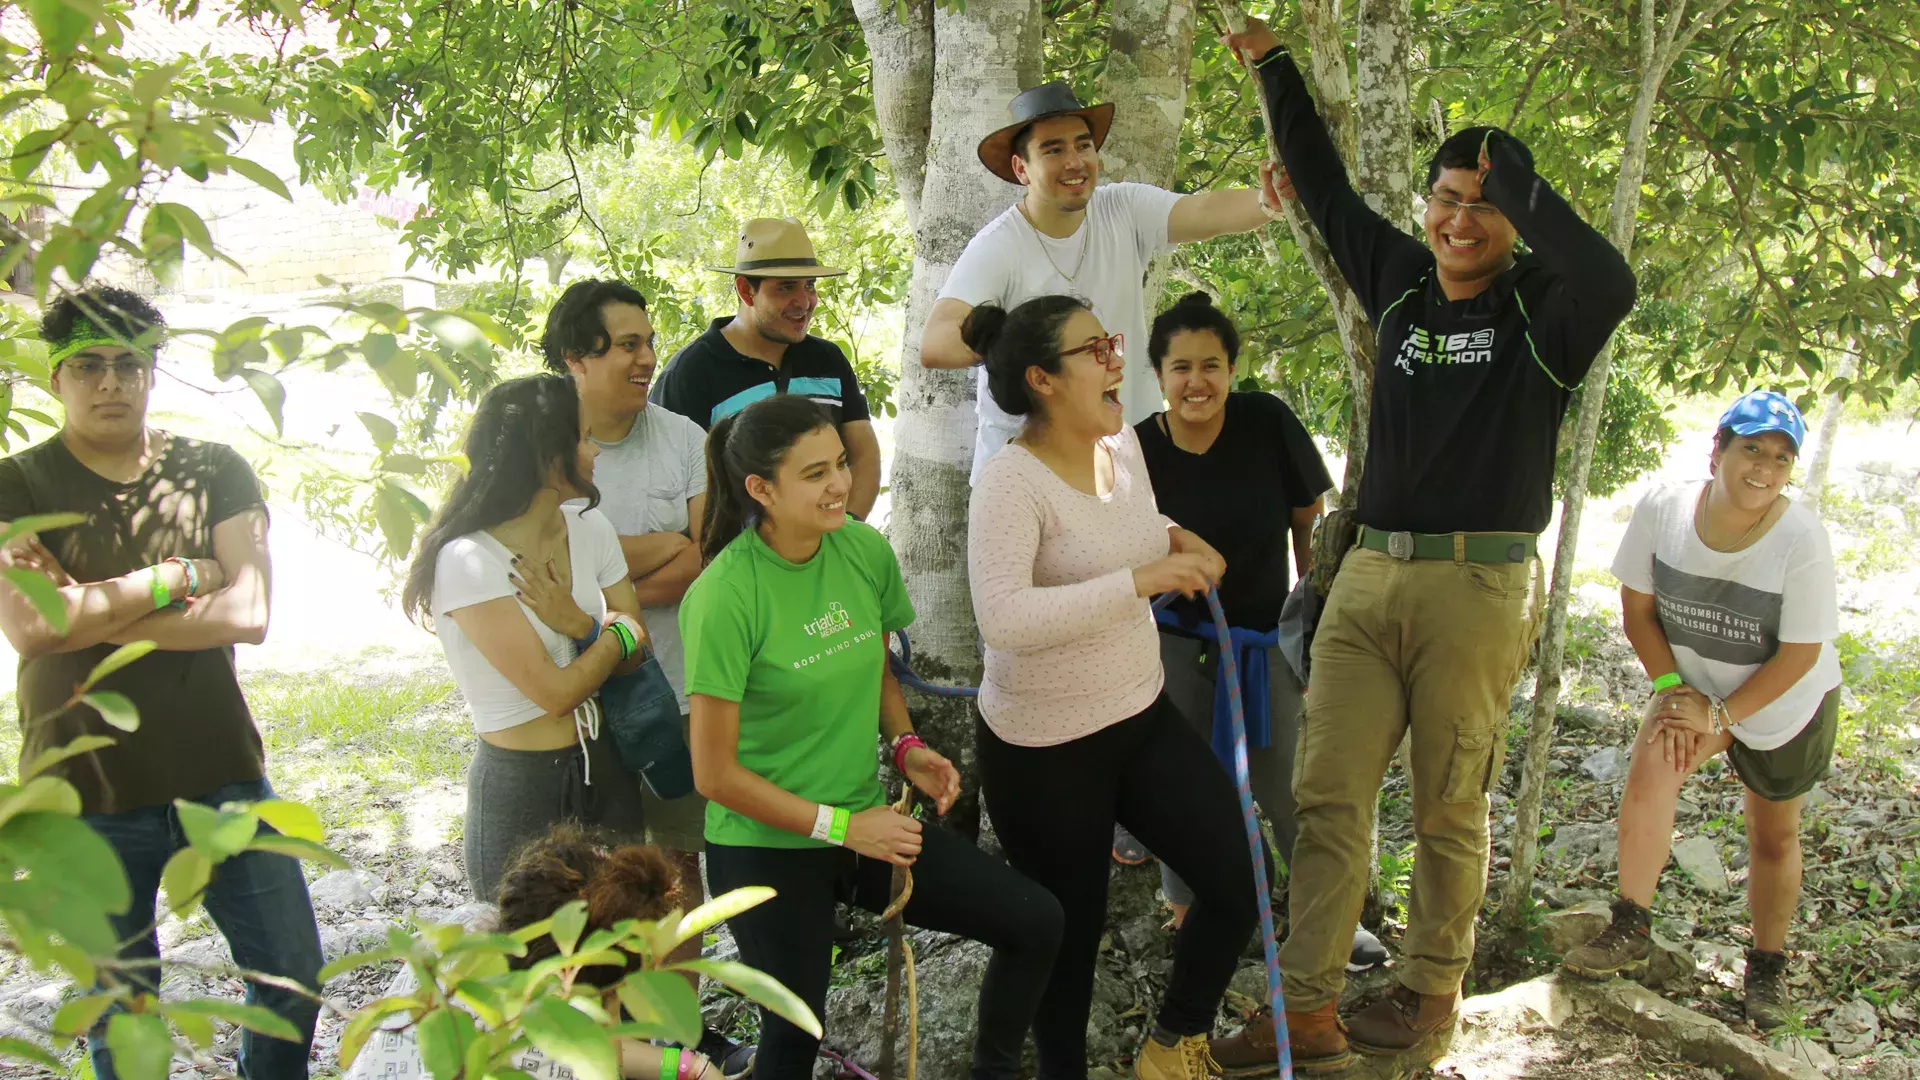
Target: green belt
<point>1464,547</point>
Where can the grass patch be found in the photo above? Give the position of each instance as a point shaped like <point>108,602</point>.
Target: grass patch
<point>1879,726</point>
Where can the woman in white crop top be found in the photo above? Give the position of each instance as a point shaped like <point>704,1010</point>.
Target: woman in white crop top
<point>518,576</point>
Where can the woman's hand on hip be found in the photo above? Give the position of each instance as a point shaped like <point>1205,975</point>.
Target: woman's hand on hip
<point>882,834</point>
<point>537,585</point>
<point>935,776</point>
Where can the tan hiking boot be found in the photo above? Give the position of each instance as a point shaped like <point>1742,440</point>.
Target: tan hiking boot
<point>1398,1022</point>
<point>1625,947</point>
<point>1766,989</point>
<point>1186,1059</point>
<point>1318,1039</point>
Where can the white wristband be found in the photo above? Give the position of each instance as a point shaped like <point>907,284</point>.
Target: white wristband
<point>822,822</point>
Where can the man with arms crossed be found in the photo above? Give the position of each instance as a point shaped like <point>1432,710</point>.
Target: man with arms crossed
<point>1429,624</point>
<point>652,476</point>
<point>173,551</point>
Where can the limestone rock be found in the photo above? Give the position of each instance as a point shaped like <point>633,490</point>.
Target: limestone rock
<point>948,979</point>
<point>1897,953</point>
<point>1558,897</point>
<point>342,890</point>
<point>1565,930</point>
<point>1699,858</point>
<point>1853,1028</point>
<point>1606,764</point>
<point>1806,1052</point>
<point>345,939</point>
<point>1575,843</point>
<point>1702,1040</point>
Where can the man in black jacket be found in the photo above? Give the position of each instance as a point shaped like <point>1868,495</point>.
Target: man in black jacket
<point>1429,622</point>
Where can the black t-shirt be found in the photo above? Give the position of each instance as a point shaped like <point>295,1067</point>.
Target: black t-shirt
<point>710,380</point>
<point>1468,395</point>
<point>196,734</point>
<point>1240,496</point>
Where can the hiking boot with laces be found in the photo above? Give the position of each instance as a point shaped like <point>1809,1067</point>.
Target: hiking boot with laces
<point>1251,1053</point>
<point>1187,1059</point>
<point>1319,1040</point>
<point>1625,947</point>
<point>1766,989</point>
<point>1402,1020</point>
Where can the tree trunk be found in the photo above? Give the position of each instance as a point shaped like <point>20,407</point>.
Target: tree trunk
<point>980,58</point>
<point>1149,58</point>
<point>1659,44</point>
<point>1832,412</point>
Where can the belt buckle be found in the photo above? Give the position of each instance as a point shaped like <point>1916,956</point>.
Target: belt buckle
<point>1400,546</point>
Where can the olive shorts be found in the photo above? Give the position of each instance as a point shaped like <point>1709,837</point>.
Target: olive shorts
<point>1790,770</point>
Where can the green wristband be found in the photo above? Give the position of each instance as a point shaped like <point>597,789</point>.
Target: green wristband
<point>628,643</point>
<point>837,832</point>
<point>162,596</point>
<point>1667,682</point>
<point>670,1063</point>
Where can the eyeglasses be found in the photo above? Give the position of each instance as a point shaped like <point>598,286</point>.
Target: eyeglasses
<point>93,369</point>
<point>1106,350</point>
<point>1454,206</point>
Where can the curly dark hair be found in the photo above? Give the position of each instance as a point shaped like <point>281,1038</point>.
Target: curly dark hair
<point>618,883</point>
<point>576,326</point>
<point>108,309</point>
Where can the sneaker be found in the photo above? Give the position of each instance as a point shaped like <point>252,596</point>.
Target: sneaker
<point>1187,1059</point>
<point>1251,1053</point>
<point>1625,947</point>
<point>1401,1020</point>
<point>1127,848</point>
<point>1766,989</point>
<point>1367,951</point>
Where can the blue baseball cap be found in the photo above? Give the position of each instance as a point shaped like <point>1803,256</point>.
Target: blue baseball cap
<point>1766,410</point>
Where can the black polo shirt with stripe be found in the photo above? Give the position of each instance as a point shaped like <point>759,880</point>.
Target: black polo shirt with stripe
<point>709,379</point>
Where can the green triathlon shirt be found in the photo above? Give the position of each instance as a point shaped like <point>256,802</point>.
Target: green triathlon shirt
<point>801,647</point>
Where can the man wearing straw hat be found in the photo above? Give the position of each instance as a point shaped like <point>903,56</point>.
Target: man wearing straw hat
<point>1072,235</point>
<point>765,350</point>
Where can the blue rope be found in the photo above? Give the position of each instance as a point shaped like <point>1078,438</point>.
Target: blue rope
<point>902,665</point>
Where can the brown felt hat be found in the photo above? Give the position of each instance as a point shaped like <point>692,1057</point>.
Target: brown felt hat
<point>1031,106</point>
<point>775,247</point>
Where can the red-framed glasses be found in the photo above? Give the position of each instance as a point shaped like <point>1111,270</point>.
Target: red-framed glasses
<point>1107,350</point>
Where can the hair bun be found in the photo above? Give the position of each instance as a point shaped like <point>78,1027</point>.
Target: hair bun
<point>632,882</point>
<point>1194,299</point>
<point>983,327</point>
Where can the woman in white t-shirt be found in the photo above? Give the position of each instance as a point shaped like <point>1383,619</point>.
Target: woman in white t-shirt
<point>518,576</point>
<point>1727,593</point>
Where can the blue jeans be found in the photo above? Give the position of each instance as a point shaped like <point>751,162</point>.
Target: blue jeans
<point>258,900</point>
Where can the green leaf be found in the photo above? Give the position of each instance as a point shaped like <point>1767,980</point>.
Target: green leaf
<point>47,759</point>
<point>197,1030</point>
<point>261,175</point>
<point>571,1038</point>
<point>444,1035</point>
<point>295,848</point>
<point>42,593</point>
<point>272,395</point>
<point>380,428</point>
<point>364,1021</point>
<point>76,1017</point>
<point>39,523</point>
<point>713,913</point>
<point>140,1044</point>
<point>568,922</point>
<point>663,998</point>
<point>185,878</point>
<point>221,834</point>
<point>61,25</point>
<point>291,819</point>
<point>22,1050</point>
<point>354,962</point>
<point>42,794</point>
<point>395,518</point>
<point>254,1018</point>
<point>760,988</point>
<point>117,710</point>
<point>115,660</point>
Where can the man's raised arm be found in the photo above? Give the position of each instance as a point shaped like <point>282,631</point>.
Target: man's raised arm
<point>940,343</point>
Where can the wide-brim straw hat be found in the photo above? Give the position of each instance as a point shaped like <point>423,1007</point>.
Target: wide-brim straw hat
<point>775,247</point>
<point>1032,106</point>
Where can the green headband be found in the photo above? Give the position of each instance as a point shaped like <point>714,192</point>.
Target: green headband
<point>82,340</point>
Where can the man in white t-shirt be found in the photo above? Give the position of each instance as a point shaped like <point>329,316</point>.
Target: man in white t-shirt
<point>1067,237</point>
<point>652,477</point>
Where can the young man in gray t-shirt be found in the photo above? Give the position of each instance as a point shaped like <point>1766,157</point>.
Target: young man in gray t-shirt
<point>652,476</point>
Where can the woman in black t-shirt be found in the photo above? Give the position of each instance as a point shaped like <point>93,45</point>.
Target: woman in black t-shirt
<point>1239,470</point>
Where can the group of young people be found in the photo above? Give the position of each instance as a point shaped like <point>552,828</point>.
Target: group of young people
<point>710,516</point>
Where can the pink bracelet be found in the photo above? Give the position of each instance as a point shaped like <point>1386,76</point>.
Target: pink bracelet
<point>900,747</point>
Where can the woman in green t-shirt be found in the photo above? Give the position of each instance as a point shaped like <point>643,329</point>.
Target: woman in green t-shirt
<point>787,668</point>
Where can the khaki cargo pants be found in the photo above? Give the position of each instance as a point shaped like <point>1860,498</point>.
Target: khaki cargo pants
<point>1430,644</point>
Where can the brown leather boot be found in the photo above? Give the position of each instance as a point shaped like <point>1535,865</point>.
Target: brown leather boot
<point>1399,1021</point>
<point>1318,1039</point>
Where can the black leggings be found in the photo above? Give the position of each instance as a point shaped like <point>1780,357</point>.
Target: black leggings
<point>957,889</point>
<point>1054,808</point>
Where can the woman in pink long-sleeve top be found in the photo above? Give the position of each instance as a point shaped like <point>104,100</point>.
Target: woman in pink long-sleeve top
<point>1064,548</point>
